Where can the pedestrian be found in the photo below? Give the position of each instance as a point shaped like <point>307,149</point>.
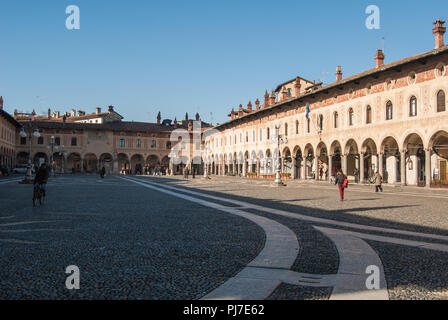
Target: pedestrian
<point>103,172</point>
<point>356,174</point>
<point>342,182</point>
<point>378,182</point>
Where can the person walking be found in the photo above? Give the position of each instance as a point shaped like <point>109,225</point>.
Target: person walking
<point>103,172</point>
<point>378,182</point>
<point>342,182</point>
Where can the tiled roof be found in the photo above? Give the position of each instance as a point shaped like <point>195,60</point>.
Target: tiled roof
<point>10,118</point>
<point>350,79</point>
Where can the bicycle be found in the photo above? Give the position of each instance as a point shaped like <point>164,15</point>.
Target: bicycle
<point>38,195</point>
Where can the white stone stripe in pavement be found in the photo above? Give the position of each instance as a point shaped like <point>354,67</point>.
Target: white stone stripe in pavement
<point>10,180</point>
<point>355,256</point>
<point>307,218</point>
<point>280,251</point>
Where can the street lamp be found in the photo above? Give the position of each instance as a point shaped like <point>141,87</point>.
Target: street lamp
<point>51,146</point>
<point>27,132</point>
<point>279,140</point>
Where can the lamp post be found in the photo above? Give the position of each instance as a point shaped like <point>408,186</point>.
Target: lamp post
<point>27,132</point>
<point>279,140</point>
<point>51,146</point>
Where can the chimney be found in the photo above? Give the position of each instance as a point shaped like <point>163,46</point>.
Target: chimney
<point>272,98</point>
<point>338,74</point>
<point>111,108</point>
<point>266,99</point>
<point>49,113</point>
<point>98,110</point>
<point>1,102</point>
<point>379,58</point>
<point>257,104</point>
<point>439,30</point>
<point>297,87</point>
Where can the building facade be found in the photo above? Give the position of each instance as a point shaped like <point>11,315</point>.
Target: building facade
<point>78,143</point>
<point>9,129</point>
<point>392,118</point>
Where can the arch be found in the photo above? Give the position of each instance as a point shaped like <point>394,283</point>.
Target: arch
<point>287,161</point>
<point>90,163</point>
<point>391,162</point>
<point>74,162</point>
<point>439,160</point>
<point>22,158</point>
<point>415,160</point>
<point>123,163</point>
<point>106,161</point>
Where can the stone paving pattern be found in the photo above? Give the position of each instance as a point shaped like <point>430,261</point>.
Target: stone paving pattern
<point>134,243</point>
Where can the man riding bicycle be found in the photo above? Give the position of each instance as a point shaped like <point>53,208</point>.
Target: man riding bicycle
<point>41,178</point>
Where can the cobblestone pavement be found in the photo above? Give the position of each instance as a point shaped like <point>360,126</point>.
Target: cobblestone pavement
<point>131,242</point>
<point>408,221</point>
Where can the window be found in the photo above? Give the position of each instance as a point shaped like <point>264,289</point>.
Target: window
<point>74,142</point>
<point>286,129</point>
<point>308,129</point>
<point>40,140</point>
<point>320,122</point>
<point>268,133</point>
<point>389,110</point>
<point>288,93</point>
<point>253,136</point>
<point>441,101</point>
<point>369,114</point>
<point>139,143</point>
<point>413,107</point>
<point>168,145</point>
<point>22,140</point>
<point>297,126</point>
<point>122,143</point>
<point>351,115</point>
<point>336,120</point>
<point>247,136</point>
<point>153,144</point>
<point>261,134</point>
<point>57,141</point>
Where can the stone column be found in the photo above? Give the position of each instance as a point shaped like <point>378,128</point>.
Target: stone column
<point>428,168</point>
<point>380,167</point>
<point>304,169</point>
<point>257,167</point>
<point>361,167</point>
<point>344,163</point>
<point>294,169</point>
<point>82,165</point>
<point>316,168</point>
<point>403,167</point>
<point>330,165</point>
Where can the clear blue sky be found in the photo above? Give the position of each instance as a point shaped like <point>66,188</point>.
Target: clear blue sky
<point>192,56</point>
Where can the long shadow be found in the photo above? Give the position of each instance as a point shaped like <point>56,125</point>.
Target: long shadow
<point>336,214</point>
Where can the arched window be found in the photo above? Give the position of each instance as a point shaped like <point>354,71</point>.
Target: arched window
<point>139,143</point>
<point>286,129</point>
<point>297,126</point>
<point>336,120</point>
<point>57,141</point>
<point>369,114</point>
<point>268,134</point>
<point>413,107</point>
<point>350,117</point>
<point>308,128</point>
<point>122,143</point>
<point>153,144</point>
<point>320,122</point>
<point>261,134</point>
<point>40,140</point>
<point>168,145</point>
<point>441,101</point>
<point>74,142</point>
<point>389,110</point>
